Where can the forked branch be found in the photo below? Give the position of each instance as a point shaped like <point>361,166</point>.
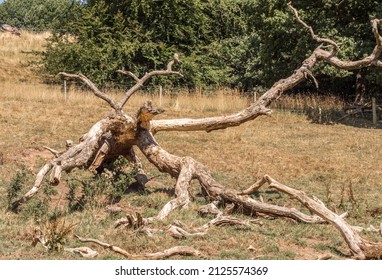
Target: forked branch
<point>140,81</point>
<point>260,107</point>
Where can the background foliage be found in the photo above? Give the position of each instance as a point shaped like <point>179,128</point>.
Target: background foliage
<point>247,44</point>
<point>38,15</point>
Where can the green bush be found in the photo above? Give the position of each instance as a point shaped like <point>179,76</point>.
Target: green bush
<point>101,189</point>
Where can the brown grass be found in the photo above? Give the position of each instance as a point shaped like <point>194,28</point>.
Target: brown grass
<point>15,52</point>
<point>339,164</point>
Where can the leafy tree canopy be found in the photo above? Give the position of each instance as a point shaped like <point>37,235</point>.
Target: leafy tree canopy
<point>38,14</point>
<point>241,43</point>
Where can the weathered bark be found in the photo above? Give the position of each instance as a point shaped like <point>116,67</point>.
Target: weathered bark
<point>105,141</point>
<point>185,169</point>
<point>119,133</point>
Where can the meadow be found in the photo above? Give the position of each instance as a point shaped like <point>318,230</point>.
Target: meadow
<point>340,164</point>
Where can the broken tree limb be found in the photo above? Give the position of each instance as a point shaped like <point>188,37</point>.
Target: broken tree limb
<point>177,250</point>
<point>127,131</point>
<point>174,165</point>
<point>177,231</point>
<point>140,81</point>
<point>36,186</point>
<point>260,106</point>
<point>360,248</point>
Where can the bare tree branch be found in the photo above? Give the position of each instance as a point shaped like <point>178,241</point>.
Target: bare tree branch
<point>140,81</point>
<point>314,36</point>
<point>260,106</point>
<point>361,249</point>
<point>128,73</point>
<point>378,38</point>
<point>92,86</point>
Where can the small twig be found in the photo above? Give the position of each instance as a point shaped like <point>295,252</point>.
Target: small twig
<point>83,252</point>
<point>252,189</point>
<point>374,28</point>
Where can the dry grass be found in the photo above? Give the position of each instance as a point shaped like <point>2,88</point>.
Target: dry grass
<point>336,163</point>
<point>15,52</point>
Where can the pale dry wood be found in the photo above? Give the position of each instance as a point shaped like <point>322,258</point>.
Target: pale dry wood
<point>325,257</point>
<point>186,168</point>
<point>177,231</point>
<point>85,252</point>
<point>117,134</point>
<point>53,151</point>
<point>140,81</point>
<point>209,209</point>
<point>314,36</point>
<point>360,248</point>
<point>79,155</point>
<point>83,154</point>
<point>177,250</point>
<point>39,237</point>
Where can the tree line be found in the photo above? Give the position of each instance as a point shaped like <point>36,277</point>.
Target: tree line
<point>246,44</point>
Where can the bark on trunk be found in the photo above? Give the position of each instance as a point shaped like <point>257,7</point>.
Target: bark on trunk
<point>118,133</point>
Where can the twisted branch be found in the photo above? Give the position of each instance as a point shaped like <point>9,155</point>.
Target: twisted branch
<point>314,36</point>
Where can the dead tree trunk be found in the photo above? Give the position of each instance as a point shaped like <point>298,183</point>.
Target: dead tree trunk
<point>120,132</point>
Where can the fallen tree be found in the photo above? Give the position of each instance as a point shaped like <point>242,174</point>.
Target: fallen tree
<point>120,132</point>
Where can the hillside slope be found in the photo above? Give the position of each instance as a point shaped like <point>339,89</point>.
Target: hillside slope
<point>16,52</point>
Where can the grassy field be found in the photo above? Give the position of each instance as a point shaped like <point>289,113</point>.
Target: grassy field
<point>339,164</point>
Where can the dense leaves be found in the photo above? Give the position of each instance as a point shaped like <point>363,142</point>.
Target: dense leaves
<point>248,44</point>
<point>38,14</point>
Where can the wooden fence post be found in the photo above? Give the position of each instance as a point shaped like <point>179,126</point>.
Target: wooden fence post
<point>160,96</point>
<point>374,109</point>
<point>65,91</point>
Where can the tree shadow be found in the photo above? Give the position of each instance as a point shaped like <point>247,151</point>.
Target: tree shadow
<point>358,119</point>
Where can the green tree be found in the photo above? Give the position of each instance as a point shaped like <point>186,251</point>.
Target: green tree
<point>143,35</point>
<point>276,44</point>
<point>248,44</point>
<point>38,14</point>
